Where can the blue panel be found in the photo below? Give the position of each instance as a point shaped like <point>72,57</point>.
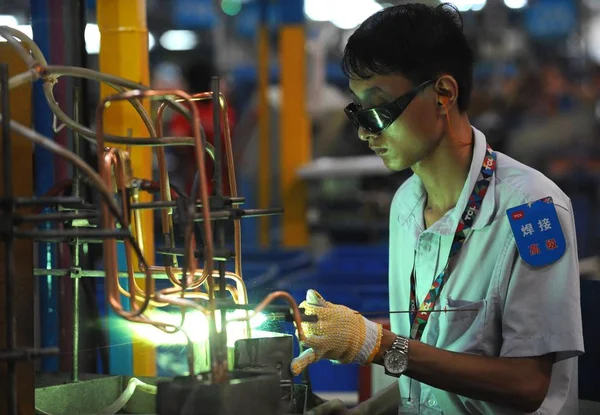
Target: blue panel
<point>292,12</point>
<point>247,21</point>
<point>120,341</point>
<point>549,19</point>
<point>194,14</point>
<point>43,181</point>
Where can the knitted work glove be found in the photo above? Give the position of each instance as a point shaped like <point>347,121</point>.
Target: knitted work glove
<point>340,334</point>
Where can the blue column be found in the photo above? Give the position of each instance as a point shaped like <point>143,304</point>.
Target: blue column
<point>44,180</point>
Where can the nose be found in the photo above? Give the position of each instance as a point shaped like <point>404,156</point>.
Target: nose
<point>364,135</point>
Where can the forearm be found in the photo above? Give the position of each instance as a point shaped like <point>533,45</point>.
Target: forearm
<point>516,382</point>
<point>385,402</point>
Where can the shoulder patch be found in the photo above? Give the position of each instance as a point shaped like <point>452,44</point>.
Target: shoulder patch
<point>539,236</point>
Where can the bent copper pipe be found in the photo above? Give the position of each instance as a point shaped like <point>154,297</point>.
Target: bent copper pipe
<point>203,96</point>
<point>164,183</point>
<point>119,161</point>
<point>110,248</point>
<point>110,264</point>
<point>231,182</point>
<point>110,245</point>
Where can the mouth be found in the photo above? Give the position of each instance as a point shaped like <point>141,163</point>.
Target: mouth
<point>379,151</point>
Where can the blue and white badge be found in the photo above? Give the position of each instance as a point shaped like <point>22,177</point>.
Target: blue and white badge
<point>539,236</point>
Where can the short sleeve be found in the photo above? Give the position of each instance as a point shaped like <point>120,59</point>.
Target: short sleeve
<point>542,311</point>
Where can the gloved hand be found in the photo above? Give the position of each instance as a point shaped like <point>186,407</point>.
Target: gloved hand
<point>340,334</point>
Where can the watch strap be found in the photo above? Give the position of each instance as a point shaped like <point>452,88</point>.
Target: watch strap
<point>400,344</point>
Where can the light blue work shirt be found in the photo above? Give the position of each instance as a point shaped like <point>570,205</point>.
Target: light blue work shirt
<point>520,310</point>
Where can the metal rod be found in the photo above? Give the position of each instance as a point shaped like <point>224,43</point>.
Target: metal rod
<point>76,243</point>
<point>162,204</point>
<point>60,216</point>
<point>60,235</point>
<point>216,93</point>
<point>64,200</point>
<point>220,226</point>
<point>235,213</point>
<point>11,335</point>
<point>27,354</point>
<point>93,273</point>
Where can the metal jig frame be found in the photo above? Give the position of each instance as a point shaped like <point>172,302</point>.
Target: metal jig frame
<point>209,211</point>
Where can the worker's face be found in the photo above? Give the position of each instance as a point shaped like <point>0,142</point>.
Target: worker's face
<point>414,134</point>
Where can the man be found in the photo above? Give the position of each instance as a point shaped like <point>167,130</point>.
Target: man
<point>482,248</point>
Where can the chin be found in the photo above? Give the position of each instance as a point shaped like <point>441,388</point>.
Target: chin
<point>395,164</point>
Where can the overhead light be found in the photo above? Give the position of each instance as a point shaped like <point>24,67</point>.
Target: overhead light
<point>469,5</point>
<point>478,5</point>
<point>515,4</point>
<point>342,13</point>
<point>463,5</point>
<point>151,41</point>
<point>8,20</point>
<point>593,39</point>
<point>92,38</point>
<point>320,11</point>
<point>25,28</point>
<point>350,17</point>
<point>178,40</point>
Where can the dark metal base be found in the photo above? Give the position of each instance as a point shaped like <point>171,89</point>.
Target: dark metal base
<point>261,384</point>
<point>56,395</point>
<point>244,393</point>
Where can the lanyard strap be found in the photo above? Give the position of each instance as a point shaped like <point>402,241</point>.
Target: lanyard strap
<point>418,320</point>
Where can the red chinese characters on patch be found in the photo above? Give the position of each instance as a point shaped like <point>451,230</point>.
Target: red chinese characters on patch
<point>534,249</point>
<point>551,243</point>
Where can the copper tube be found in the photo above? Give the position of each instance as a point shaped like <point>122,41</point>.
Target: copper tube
<point>164,183</point>
<point>182,302</point>
<point>119,162</point>
<point>108,222</point>
<point>230,169</point>
<point>293,305</point>
<point>165,194</point>
<point>117,159</point>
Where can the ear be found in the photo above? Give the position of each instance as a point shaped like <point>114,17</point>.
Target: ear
<point>447,89</point>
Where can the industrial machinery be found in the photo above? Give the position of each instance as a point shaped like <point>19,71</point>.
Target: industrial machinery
<point>252,376</point>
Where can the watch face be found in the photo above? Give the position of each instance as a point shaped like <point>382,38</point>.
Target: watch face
<point>395,362</point>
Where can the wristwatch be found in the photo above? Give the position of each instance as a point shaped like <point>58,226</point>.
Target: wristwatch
<point>395,360</point>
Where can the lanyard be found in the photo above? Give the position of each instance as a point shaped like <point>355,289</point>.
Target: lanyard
<point>418,320</point>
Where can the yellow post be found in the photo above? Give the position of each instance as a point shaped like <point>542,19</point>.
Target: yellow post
<point>295,124</point>
<point>264,162</point>
<point>124,52</point>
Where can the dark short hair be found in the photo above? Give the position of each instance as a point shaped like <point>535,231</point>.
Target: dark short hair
<point>417,41</point>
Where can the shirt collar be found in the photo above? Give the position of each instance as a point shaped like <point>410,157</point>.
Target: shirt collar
<point>414,196</point>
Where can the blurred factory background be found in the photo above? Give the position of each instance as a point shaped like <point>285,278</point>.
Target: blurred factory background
<point>536,97</point>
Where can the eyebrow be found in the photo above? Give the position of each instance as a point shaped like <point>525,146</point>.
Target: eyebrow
<point>374,90</point>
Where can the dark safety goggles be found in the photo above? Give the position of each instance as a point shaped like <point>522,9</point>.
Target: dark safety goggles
<point>377,119</point>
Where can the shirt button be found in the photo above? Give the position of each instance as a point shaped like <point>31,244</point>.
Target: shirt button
<point>431,403</point>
